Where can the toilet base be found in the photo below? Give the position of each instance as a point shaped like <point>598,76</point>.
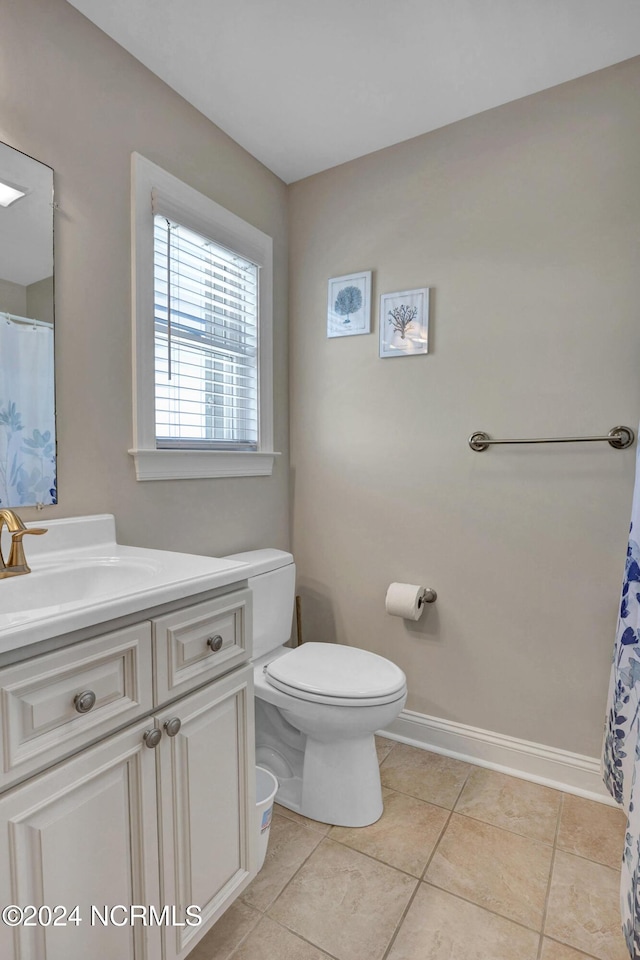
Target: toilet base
<point>336,783</point>
<point>341,782</point>
<point>323,774</point>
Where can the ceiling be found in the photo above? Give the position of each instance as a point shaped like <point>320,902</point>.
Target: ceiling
<point>304,85</point>
<point>26,227</point>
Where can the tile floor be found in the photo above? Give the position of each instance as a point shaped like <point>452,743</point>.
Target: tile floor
<point>465,864</point>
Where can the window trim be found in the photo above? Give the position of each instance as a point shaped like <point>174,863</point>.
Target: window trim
<point>192,208</point>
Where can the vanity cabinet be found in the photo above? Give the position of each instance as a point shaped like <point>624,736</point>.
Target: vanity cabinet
<point>159,813</point>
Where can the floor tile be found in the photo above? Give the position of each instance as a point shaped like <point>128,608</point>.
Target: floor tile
<point>384,747</point>
<point>337,893</point>
<point>403,837</point>
<point>317,825</point>
<point>270,941</point>
<point>428,776</point>
<point>552,950</point>
<point>439,926</point>
<point>494,868</point>
<point>227,933</point>
<point>289,845</point>
<point>592,830</point>
<point>345,902</point>
<point>584,907</point>
<point>518,805</point>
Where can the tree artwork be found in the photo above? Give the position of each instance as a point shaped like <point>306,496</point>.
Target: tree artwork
<point>401,318</point>
<point>348,301</point>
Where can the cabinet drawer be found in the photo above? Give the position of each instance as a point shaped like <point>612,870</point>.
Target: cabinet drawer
<point>40,717</point>
<point>195,645</point>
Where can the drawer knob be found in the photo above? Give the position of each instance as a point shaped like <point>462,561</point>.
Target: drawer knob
<point>215,642</point>
<point>152,737</point>
<point>172,726</point>
<point>83,702</point>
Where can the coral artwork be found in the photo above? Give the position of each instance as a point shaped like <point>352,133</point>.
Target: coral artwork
<point>349,305</point>
<point>348,301</point>
<point>401,318</point>
<point>404,323</point>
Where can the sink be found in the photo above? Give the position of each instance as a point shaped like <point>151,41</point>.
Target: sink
<point>81,576</point>
<point>52,586</point>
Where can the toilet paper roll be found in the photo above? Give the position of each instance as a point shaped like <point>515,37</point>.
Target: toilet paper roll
<point>405,600</point>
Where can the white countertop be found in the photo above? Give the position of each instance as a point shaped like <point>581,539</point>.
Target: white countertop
<point>80,577</point>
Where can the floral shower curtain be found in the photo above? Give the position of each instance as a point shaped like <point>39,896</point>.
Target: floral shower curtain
<point>27,415</point>
<point>621,756</point>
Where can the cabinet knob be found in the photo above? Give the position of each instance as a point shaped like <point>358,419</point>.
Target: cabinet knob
<point>215,642</point>
<point>172,726</point>
<point>152,737</point>
<point>83,702</point>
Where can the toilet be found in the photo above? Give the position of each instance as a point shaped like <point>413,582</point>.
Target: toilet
<point>317,706</point>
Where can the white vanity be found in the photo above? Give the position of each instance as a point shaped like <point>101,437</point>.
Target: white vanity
<point>127,752</point>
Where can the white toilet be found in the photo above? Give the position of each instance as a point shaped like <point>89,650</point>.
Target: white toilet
<point>317,706</point>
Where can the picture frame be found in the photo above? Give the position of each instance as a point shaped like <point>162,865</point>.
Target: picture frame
<point>349,305</point>
<point>404,323</point>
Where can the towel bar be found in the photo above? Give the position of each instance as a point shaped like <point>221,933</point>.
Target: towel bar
<point>618,437</point>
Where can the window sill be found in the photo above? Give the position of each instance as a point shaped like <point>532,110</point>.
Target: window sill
<point>201,464</point>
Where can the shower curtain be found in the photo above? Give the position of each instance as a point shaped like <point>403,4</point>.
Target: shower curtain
<point>621,755</point>
<point>27,415</point>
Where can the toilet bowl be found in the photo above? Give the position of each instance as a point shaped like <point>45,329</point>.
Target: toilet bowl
<point>317,706</point>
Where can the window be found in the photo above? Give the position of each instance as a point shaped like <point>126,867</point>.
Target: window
<point>206,342</point>
<point>202,334</point>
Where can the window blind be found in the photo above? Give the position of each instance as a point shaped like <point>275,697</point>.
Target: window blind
<point>206,342</point>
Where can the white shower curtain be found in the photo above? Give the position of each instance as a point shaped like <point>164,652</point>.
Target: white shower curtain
<point>621,755</point>
<point>27,415</point>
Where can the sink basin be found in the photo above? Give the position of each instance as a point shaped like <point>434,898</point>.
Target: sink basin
<point>54,585</point>
<point>81,576</point>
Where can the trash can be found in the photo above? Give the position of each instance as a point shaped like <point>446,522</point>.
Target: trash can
<point>266,789</point>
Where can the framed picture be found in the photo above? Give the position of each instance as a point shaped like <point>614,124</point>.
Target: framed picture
<point>349,305</point>
<point>404,323</point>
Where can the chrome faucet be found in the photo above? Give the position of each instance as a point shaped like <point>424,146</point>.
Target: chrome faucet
<point>16,564</point>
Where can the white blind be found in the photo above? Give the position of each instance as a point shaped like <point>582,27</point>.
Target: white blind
<point>206,342</point>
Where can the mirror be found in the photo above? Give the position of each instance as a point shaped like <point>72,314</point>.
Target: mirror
<point>27,391</point>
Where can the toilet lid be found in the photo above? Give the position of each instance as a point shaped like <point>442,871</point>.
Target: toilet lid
<point>335,670</point>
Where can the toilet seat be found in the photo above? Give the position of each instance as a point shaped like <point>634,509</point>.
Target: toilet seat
<point>333,673</point>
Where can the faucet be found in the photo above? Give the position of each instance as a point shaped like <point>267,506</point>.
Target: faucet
<point>17,563</point>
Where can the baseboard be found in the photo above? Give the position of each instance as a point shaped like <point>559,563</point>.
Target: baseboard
<point>555,768</point>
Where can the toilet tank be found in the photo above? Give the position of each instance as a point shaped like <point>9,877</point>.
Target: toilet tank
<point>272,579</point>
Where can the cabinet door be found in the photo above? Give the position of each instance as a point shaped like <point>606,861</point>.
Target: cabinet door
<point>206,780</point>
<point>83,834</point>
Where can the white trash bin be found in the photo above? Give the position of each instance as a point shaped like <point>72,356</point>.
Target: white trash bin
<point>266,789</point>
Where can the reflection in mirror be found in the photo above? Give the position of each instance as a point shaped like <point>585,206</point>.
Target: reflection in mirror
<point>27,392</point>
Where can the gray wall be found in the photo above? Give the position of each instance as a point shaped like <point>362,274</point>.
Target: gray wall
<point>13,298</point>
<point>524,221</point>
<point>40,300</point>
<point>74,99</point>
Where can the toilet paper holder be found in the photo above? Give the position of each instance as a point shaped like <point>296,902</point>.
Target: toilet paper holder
<point>408,600</point>
<point>429,596</point>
